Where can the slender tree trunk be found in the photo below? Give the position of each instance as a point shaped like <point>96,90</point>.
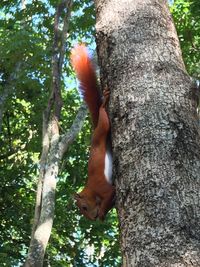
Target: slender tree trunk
<point>155,133</point>
<point>54,147</point>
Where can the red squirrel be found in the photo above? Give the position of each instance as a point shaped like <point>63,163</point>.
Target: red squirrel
<point>97,197</point>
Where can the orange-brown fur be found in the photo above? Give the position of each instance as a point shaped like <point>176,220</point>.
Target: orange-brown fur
<point>97,198</point>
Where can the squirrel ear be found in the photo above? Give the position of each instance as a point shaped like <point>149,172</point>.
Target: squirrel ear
<point>77,196</point>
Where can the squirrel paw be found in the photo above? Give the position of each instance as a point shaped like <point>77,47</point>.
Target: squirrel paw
<point>106,95</point>
<point>101,215</point>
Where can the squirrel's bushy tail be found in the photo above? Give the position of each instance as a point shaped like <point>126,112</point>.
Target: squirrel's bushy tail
<point>86,75</point>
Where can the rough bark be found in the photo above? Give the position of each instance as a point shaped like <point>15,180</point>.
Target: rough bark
<point>155,133</point>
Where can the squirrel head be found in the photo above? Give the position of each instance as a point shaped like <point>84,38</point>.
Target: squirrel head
<point>88,205</point>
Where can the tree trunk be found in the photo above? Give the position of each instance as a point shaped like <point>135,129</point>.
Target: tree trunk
<point>155,133</point>
<point>54,147</point>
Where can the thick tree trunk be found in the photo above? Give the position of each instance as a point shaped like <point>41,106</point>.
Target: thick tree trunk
<point>155,134</point>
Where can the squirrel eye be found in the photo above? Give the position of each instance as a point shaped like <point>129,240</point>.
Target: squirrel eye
<point>84,208</point>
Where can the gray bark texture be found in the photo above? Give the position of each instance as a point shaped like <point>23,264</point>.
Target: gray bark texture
<point>155,133</point>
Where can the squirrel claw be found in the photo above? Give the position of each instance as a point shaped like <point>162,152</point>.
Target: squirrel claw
<point>106,95</point>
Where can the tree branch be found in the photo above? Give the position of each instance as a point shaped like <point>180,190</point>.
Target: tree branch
<point>68,5</point>
<point>69,137</point>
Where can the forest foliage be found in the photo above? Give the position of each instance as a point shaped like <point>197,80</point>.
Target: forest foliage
<point>26,33</point>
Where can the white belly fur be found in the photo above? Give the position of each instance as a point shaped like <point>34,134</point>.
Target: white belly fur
<point>108,167</point>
